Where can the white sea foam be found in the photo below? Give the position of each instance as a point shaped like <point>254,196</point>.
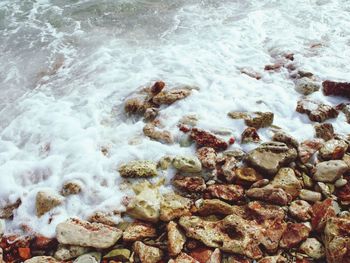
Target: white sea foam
<point>66,68</point>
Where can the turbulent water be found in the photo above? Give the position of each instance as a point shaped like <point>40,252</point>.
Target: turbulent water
<point>66,66</point>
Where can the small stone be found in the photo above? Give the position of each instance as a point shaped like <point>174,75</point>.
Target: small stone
<point>269,157</point>
<point>270,194</point>
<point>316,111</point>
<point>306,86</point>
<point>184,258</point>
<point>71,188</point>
<point>88,258</point>
<point>171,96</point>
<point>85,234</point>
<point>281,136</point>
<point>174,206</point>
<point>189,183</point>
<point>227,170</point>
<point>122,254</point>
<point>176,239</point>
<point>330,171</point>
<point>106,218</point>
<point>286,179</point>
<point>336,88</point>
<point>324,131</point>
<point>6,212</point>
<point>300,210</point>
<point>2,227</point>
<point>333,149</point>
<point>65,252</point>
<point>207,156</point>
<point>212,207</point>
<point>310,196</point>
<point>147,254</point>
<point>187,164</point>
<point>41,259</point>
<point>313,248</point>
<point>151,131</point>
<point>138,231</point>
<point>46,201</point>
<point>340,182</point>
<point>203,254</point>
<point>135,105</point>
<point>207,139</point>
<point>190,120</point>
<point>165,162</point>
<point>337,240</point>
<point>247,175</point>
<point>308,148</point>
<point>226,192</point>
<point>260,119</point>
<point>150,114</point>
<point>321,212</point>
<point>138,169</point>
<point>236,115</point>
<point>323,189</point>
<point>294,234</point>
<point>249,135</point>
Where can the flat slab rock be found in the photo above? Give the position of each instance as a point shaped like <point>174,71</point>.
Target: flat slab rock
<point>85,234</point>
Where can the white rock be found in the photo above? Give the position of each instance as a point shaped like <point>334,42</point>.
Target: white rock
<point>306,86</point>
<point>82,233</point>
<point>313,248</point>
<point>310,196</point>
<point>65,252</point>
<point>88,258</point>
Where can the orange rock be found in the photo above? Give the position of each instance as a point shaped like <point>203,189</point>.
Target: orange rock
<point>24,252</point>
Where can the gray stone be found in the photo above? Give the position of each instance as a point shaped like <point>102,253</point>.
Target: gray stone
<point>330,171</point>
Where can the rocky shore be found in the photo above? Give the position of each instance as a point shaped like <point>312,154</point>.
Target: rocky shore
<point>283,201</point>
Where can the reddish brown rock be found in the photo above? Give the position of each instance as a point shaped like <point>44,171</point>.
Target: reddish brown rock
<point>207,156</point>
<point>228,192</point>
<point>273,259</point>
<point>189,183</point>
<point>138,231</point>
<point>321,212</point>
<point>270,194</point>
<point>308,148</point>
<point>184,258</point>
<point>343,193</point>
<point>337,240</point>
<point>294,234</point>
<point>207,139</point>
<point>300,210</point>
<point>157,87</point>
<point>336,88</point>
<point>316,111</point>
<point>324,131</point>
<point>250,134</point>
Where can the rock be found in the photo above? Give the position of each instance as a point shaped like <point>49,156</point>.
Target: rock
<point>269,194</point>
<point>236,115</point>
<point>294,234</point>
<point>340,182</point>
<point>121,254</point>
<point>138,169</point>
<point>88,258</point>
<point>343,193</point>
<point>324,131</point>
<point>310,196</point>
<point>146,204</point>
<point>174,206</point>
<point>207,156</point>
<point>247,176</point>
<point>71,188</point>
<point>269,157</point>
<point>206,255</point>
<point>165,162</point>
<point>41,259</point>
<point>251,73</point>
<point>176,239</point>
<point>187,164</point>
<point>333,149</point>
<point>171,96</point>
<point>153,133</point>
<point>6,212</point>
<point>226,192</point>
<point>286,179</point>
<point>336,88</point>
<point>137,231</point>
<point>150,114</point>
<point>227,169</point>
<point>313,248</point>
<point>64,252</point>
<point>330,171</point>
<point>281,136</point>
<point>190,120</point>
<point>273,259</point>
<point>46,201</point>
<point>157,87</point>
<point>321,212</point>
<point>300,210</point>
<point>346,111</point>
<point>2,227</point>
<point>337,240</point>
<point>207,139</point>
<point>259,119</point>
<point>249,135</point>
<point>184,258</point>
<point>189,183</point>
<point>212,207</point>
<point>316,111</point>
<point>147,254</point>
<point>106,218</point>
<point>308,148</point>
<point>306,86</point>
<point>136,105</point>
<point>85,234</point>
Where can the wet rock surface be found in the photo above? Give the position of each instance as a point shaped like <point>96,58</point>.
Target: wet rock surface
<point>317,112</point>
<point>138,169</point>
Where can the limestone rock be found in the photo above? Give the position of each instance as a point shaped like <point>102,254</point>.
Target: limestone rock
<point>88,258</point>
<point>174,206</point>
<point>41,259</point>
<point>281,136</point>
<point>324,131</point>
<point>147,254</point>
<point>300,210</point>
<point>330,171</point>
<point>227,192</point>
<point>187,164</point>
<point>138,231</point>
<point>316,111</point>
<point>269,194</point>
<point>247,175</point>
<point>310,196</point>
<point>71,188</point>
<point>336,88</point>
<point>286,179</point>
<point>207,156</point>
<point>313,248</point>
<point>66,252</point>
<point>306,86</point>
<point>207,139</point>
<point>269,157</point>
<point>308,148</point>
<point>260,119</point>
<point>333,149</point>
<point>170,96</point>
<point>46,201</point>
<point>176,239</point>
<point>189,183</point>
<point>249,135</point>
<point>6,212</point>
<point>337,240</point>
<point>212,207</point>
<point>294,234</point>
<point>138,169</point>
<point>153,133</point>
<point>85,234</point>
<point>321,212</point>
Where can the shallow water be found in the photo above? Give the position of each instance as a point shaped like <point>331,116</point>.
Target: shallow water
<point>66,66</point>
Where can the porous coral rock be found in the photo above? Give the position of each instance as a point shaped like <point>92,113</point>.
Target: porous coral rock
<point>176,239</point>
<point>187,164</point>
<point>207,156</point>
<point>138,231</point>
<point>207,139</point>
<point>333,149</point>
<point>227,192</point>
<point>174,206</point>
<point>316,111</point>
<point>147,254</point>
<point>139,168</point>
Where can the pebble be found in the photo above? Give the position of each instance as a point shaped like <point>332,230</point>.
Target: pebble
<point>310,196</point>
<point>340,182</point>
